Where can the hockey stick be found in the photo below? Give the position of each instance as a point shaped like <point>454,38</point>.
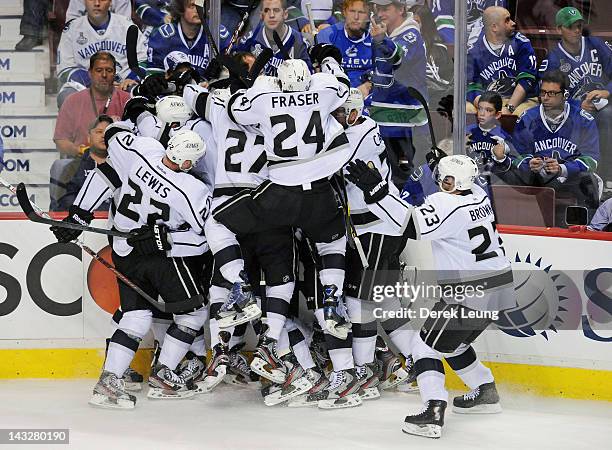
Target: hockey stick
<point>417,95</point>
<point>159,305</point>
<point>281,47</point>
<point>262,59</point>
<point>28,209</point>
<point>351,232</point>
<point>199,4</point>
<point>131,44</point>
<point>315,32</point>
<point>243,21</point>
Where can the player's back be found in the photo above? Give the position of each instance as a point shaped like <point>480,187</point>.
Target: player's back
<point>150,192</point>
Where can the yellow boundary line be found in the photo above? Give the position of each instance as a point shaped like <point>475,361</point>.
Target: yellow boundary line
<point>564,382</point>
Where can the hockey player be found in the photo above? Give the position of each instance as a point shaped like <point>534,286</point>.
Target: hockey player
<point>467,251</point>
<point>273,16</point>
<point>355,43</point>
<point>82,37</point>
<point>146,180</point>
<point>400,61</point>
<point>587,61</point>
<point>184,34</point>
<point>502,60</point>
<point>383,245</point>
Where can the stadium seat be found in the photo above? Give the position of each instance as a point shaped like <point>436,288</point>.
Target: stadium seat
<point>524,205</point>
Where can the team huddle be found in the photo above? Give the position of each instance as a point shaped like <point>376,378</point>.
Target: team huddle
<point>243,197</point>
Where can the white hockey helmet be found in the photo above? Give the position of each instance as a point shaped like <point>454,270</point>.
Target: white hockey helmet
<point>173,109</point>
<point>294,75</point>
<point>354,101</point>
<point>462,168</point>
<point>185,145</point>
<point>267,83</point>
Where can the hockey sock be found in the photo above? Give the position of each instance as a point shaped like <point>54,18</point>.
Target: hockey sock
<point>332,263</point>
<point>159,328</point>
<point>363,329</point>
<point>121,351</point>
<point>429,371</point>
<point>218,295</point>
<point>176,344</point>
<point>277,307</point>
<point>226,250</point>
<point>398,329</point>
<point>466,364</point>
<point>198,347</point>
<point>282,346</point>
<point>238,335</point>
<point>340,351</point>
<point>300,349</point>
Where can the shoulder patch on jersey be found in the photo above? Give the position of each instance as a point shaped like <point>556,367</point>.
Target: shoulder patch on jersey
<point>223,32</point>
<point>67,26</point>
<point>586,115</point>
<point>246,37</point>
<point>167,30</point>
<point>410,37</point>
<point>521,37</point>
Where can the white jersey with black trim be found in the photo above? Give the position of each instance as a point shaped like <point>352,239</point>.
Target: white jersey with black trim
<point>149,192</point>
<point>466,246</point>
<point>241,157</point>
<point>302,141</point>
<point>368,146</point>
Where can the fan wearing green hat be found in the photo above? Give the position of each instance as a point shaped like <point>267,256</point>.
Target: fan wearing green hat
<point>587,62</point>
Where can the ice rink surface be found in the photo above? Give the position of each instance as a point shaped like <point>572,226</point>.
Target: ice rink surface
<point>236,418</point>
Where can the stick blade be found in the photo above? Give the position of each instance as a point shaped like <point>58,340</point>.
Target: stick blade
<point>24,202</point>
<point>262,59</point>
<point>279,43</point>
<point>131,45</point>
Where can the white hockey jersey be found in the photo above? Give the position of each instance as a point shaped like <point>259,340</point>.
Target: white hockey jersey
<point>76,8</point>
<point>302,141</point>
<point>241,159</point>
<point>367,145</point>
<point>466,246</point>
<point>149,192</point>
<point>80,40</point>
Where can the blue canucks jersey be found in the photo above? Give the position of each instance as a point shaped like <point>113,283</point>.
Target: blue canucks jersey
<point>152,12</point>
<point>356,53</point>
<point>293,41</point>
<point>573,142</point>
<point>169,37</point>
<point>516,60</point>
<point>443,12</point>
<point>591,69</point>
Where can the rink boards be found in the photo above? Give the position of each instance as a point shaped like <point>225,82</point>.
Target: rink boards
<point>55,310</point>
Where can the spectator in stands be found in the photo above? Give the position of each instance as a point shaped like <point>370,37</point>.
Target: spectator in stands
<point>184,34</point>
<point>602,220</point>
<point>439,68</point>
<point>399,62</point>
<point>153,13</point>
<point>443,12</point>
<point>94,154</point>
<point>587,61</point>
<point>32,24</point>
<point>274,13</point>
<point>232,11</point>
<point>475,12</point>
<point>76,8</point>
<point>324,13</point>
<point>502,60</point>
<point>81,109</point>
<point>355,43</point>
<point>99,30</point>
<point>557,143</point>
<point>487,141</point>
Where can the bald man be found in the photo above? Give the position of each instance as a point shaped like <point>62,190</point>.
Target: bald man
<point>502,60</point>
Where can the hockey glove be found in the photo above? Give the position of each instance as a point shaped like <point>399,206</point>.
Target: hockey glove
<point>135,107</point>
<point>433,157</point>
<point>75,215</point>
<point>213,70</point>
<point>153,85</point>
<point>321,51</point>
<point>150,239</point>
<point>368,179</point>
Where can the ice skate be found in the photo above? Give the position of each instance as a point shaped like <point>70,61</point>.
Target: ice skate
<point>298,382</point>
<point>240,307</point>
<point>318,348</point>
<point>133,380</point>
<point>342,392</point>
<point>193,369</point>
<point>314,394</point>
<point>266,362</point>
<point>391,371</point>
<point>428,422</point>
<point>217,366</point>
<point>109,392</point>
<point>334,313</point>
<point>368,381</point>
<point>239,373</point>
<point>409,384</point>
<point>482,400</point>
<point>167,384</point>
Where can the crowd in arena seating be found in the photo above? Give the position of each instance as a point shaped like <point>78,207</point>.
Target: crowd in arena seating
<point>549,124</point>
